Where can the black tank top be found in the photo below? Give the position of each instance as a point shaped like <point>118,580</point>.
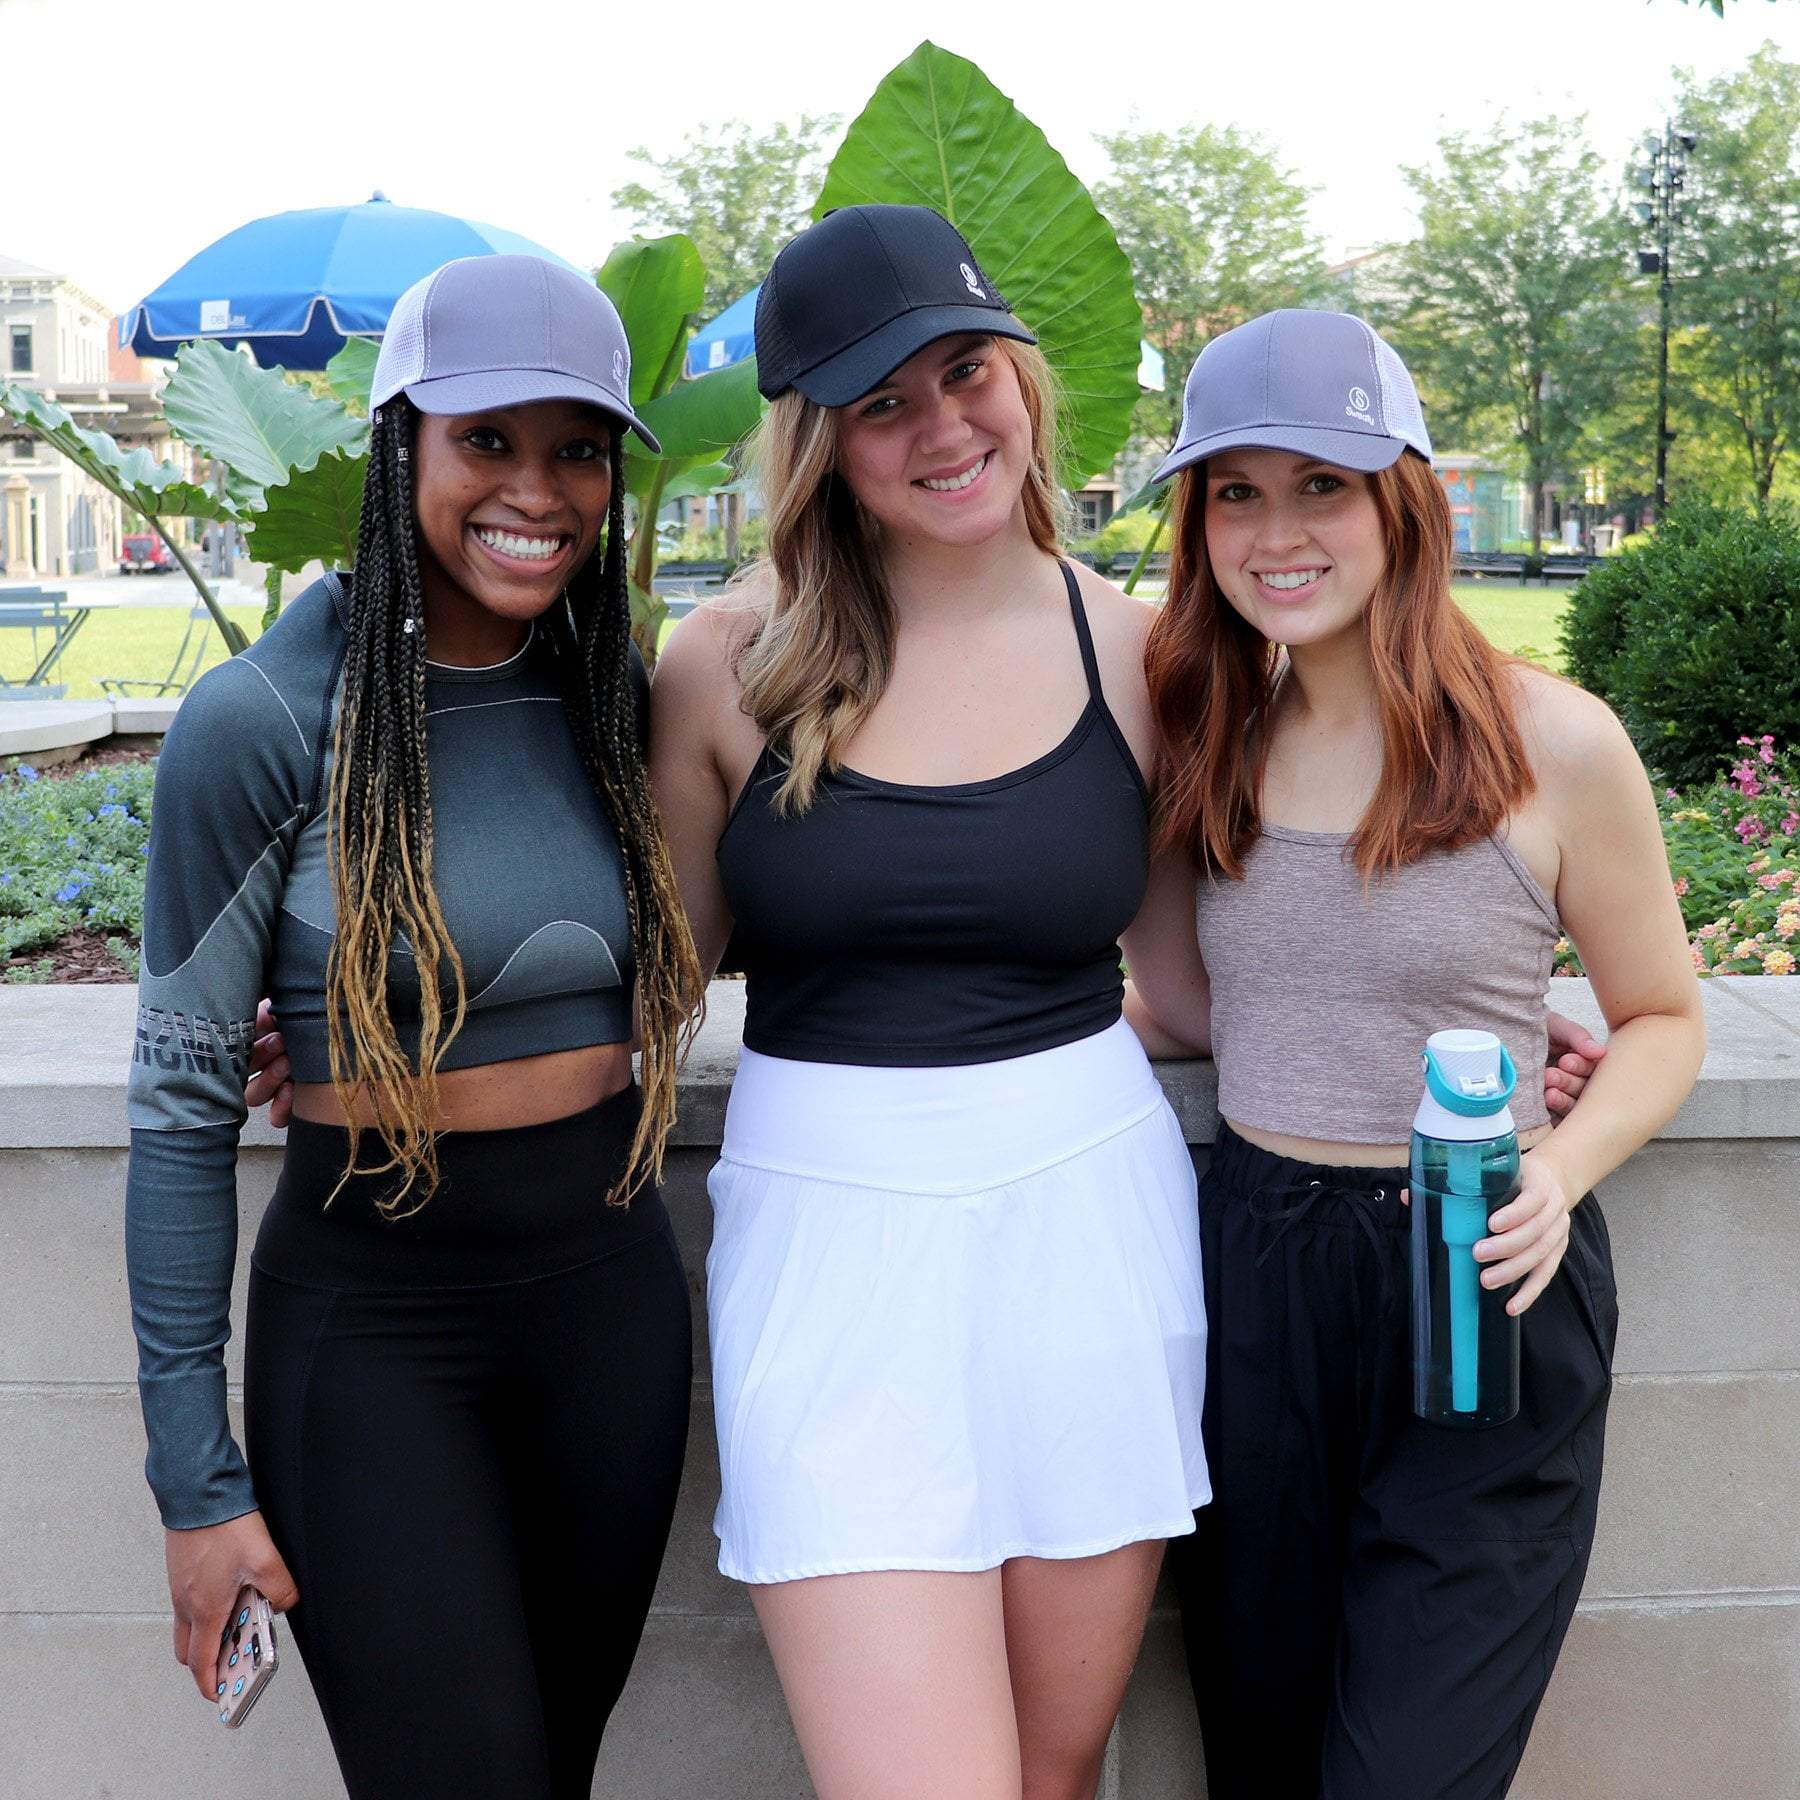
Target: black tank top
<point>908,926</point>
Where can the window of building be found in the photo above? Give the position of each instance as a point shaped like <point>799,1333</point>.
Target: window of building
<point>21,349</point>
<point>23,449</point>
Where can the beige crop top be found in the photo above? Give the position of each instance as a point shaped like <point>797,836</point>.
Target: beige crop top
<point>1323,995</point>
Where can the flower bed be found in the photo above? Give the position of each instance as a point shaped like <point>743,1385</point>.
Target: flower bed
<point>72,849</point>
<point>1734,853</point>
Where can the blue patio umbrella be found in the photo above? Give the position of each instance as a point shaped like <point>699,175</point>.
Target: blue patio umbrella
<point>293,286</point>
<point>731,337</point>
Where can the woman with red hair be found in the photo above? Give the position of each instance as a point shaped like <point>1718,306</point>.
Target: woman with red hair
<point>1392,824</point>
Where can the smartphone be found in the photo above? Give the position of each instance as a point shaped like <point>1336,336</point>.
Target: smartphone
<point>246,1656</point>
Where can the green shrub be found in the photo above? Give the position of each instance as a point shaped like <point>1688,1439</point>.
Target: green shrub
<point>1122,536</point>
<point>72,852</point>
<point>1694,637</point>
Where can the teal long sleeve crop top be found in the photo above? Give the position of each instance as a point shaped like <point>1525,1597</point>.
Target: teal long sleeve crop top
<point>238,905</point>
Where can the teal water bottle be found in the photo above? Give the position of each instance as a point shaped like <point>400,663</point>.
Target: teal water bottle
<point>1465,1166</point>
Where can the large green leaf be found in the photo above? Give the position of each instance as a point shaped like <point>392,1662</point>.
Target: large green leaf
<point>312,517</point>
<point>938,133</point>
<point>351,373</point>
<point>260,426</point>
<point>657,284</point>
<point>135,476</point>
<point>700,479</point>
<point>703,418</point>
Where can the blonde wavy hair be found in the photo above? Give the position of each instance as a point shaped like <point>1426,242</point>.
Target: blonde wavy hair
<point>821,654</point>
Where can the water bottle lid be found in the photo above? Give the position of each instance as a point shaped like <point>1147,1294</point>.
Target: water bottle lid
<point>1469,1073</point>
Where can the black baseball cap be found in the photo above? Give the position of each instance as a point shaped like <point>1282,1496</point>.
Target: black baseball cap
<point>852,297</point>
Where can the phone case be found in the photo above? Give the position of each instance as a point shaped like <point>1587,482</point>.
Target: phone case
<point>247,1657</point>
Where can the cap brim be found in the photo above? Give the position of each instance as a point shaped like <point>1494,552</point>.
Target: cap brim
<point>1363,451</point>
<point>872,359</point>
<point>488,390</point>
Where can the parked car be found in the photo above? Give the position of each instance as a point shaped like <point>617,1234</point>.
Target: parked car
<point>144,553</point>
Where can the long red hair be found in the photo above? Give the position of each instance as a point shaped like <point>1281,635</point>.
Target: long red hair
<point>1453,764</point>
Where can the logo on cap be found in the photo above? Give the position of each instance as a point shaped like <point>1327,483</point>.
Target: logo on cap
<point>969,281</point>
<point>619,367</point>
<point>1359,406</point>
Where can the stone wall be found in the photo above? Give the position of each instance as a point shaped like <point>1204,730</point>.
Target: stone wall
<point>1680,1679</point>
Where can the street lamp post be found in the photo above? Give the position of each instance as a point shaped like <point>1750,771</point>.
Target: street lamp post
<point>1663,177</point>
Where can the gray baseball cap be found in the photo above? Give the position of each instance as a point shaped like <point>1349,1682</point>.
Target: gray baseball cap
<point>1315,383</point>
<point>485,332</point>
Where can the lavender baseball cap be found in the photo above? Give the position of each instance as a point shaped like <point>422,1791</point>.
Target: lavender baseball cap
<point>485,332</point>
<point>1318,384</point>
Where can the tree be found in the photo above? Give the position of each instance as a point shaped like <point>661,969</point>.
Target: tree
<point>1216,231</point>
<point>1514,320</point>
<point>737,194</point>
<point>1741,298</point>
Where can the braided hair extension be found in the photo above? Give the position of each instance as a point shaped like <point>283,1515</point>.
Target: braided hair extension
<point>379,821</point>
<point>592,633</point>
<point>381,831</point>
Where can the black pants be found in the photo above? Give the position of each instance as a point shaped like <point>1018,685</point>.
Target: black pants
<point>1373,1605</point>
<point>466,1430</point>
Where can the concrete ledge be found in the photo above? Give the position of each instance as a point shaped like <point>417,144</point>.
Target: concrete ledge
<point>1679,1679</point>
<point>65,1054</point>
<point>28,727</point>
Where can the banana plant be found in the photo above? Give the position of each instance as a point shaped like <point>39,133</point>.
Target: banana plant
<point>293,461</point>
<point>936,132</point>
<point>158,490</point>
<point>659,285</point>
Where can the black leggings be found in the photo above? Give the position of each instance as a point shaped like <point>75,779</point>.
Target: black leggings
<point>1373,1605</point>
<point>466,1430</point>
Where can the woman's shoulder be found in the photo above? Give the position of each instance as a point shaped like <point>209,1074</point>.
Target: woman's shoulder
<point>1563,724</point>
<point>1119,622</point>
<point>1577,748</point>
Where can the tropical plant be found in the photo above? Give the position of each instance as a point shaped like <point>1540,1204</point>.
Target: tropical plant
<point>157,491</point>
<point>936,132</point>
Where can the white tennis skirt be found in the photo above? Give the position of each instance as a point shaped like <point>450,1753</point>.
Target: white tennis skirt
<point>956,1313</point>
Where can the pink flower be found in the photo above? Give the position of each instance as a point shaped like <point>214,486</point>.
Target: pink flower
<point>1744,779</point>
<point>1767,752</point>
<point>1681,886</point>
<point>1790,824</point>
<point>1750,830</point>
<point>1671,794</point>
<point>1698,955</point>
<point>1768,882</point>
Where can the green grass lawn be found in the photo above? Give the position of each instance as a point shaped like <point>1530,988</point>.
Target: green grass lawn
<point>136,641</point>
<point>140,641</point>
<point>1526,621</point>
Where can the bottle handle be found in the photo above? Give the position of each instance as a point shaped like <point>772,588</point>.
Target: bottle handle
<point>1466,1106</point>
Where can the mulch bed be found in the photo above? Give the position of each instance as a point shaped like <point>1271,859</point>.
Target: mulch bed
<point>79,956</point>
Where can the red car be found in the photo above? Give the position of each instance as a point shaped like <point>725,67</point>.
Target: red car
<point>144,553</point>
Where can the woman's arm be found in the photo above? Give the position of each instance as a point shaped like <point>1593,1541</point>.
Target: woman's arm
<point>693,704</point>
<point>1617,903</point>
<point>228,805</point>
<point>1168,1000</point>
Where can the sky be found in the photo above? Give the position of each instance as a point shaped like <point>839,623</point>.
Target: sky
<point>137,135</point>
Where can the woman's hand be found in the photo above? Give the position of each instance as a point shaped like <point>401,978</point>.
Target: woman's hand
<point>1531,1233</point>
<point>1574,1055</point>
<point>271,1082</point>
<point>208,1567</point>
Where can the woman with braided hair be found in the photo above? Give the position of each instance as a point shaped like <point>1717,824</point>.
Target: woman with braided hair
<point>415,813</point>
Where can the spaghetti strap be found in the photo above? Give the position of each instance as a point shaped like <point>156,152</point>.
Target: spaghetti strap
<point>1082,635</point>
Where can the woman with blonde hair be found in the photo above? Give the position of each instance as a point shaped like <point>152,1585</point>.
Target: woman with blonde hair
<point>954,1287</point>
<point>1394,823</point>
